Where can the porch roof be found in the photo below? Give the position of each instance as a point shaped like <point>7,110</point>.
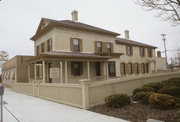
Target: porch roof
<point>55,55</point>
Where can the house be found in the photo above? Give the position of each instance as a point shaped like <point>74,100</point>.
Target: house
<point>73,50</point>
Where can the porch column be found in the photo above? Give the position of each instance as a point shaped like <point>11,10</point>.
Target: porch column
<point>44,72</point>
<point>35,78</point>
<point>66,78</point>
<point>88,71</point>
<point>61,77</point>
<point>107,71</point>
<point>29,73</point>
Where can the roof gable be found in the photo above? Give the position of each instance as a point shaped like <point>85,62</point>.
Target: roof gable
<point>43,23</point>
<point>71,24</point>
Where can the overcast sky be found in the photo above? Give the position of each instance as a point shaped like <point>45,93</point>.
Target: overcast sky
<point>19,20</point>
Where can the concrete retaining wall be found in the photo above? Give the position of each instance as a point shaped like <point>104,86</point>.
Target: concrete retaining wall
<point>88,93</point>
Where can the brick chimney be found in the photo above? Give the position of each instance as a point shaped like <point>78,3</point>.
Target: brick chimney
<point>74,15</point>
<point>126,32</point>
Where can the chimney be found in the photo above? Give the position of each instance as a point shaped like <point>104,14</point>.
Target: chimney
<point>158,53</point>
<point>74,15</point>
<point>126,32</point>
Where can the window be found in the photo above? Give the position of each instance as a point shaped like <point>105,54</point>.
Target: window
<point>129,50</point>
<point>136,66</point>
<point>142,52</point>
<point>123,70</point>
<point>76,44</point>
<point>143,67</point>
<point>149,50</point>
<point>130,68</point>
<point>147,67</point>
<point>37,50</point>
<point>42,47</point>
<point>99,46</point>
<point>49,45</point>
<point>108,47</point>
<point>76,68</point>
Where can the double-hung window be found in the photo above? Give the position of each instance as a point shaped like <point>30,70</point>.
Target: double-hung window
<point>76,45</point>
<point>99,47</point>
<point>108,47</point>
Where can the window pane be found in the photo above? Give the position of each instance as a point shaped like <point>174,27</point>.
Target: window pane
<point>76,42</point>
<point>129,50</point>
<point>108,45</point>
<point>99,44</point>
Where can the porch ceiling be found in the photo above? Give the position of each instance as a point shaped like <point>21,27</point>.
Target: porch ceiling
<point>55,55</point>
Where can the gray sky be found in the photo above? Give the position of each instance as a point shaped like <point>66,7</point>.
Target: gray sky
<point>19,20</point>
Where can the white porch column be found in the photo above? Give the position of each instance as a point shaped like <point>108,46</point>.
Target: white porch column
<point>88,71</point>
<point>35,76</point>
<point>44,72</point>
<point>29,73</point>
<point>61,76</point>
<point>66,75</point>
<point>107,71</point>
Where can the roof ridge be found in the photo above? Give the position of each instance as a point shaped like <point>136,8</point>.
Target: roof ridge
<point>129,41</point>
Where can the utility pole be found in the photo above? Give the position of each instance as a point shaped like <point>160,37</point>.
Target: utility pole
<point>165,50</point>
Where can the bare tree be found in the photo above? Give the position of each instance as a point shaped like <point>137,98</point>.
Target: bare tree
<point>168,10</point>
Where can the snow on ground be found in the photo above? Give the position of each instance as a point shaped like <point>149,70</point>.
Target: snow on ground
<point>33,109</point>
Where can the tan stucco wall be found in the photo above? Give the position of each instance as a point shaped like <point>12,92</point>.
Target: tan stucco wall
<point>63,35</point>
<point>69,94</point>
<point>48,35</point>
<point>88,94</point>
<point>98,91</point>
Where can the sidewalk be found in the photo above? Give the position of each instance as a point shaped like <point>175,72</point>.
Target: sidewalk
<point>31,109</point>
<point>7,117</point>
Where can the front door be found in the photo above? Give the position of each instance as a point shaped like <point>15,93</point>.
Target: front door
<point>112,68</point>
<point>98,68</point>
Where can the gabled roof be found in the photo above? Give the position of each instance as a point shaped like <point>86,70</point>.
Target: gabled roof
<point>131,42</point>
<point>75,25</point>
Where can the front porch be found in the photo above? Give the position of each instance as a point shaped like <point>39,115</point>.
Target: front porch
<point>66,68</point>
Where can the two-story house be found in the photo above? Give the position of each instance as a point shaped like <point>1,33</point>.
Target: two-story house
<point>68,50</point>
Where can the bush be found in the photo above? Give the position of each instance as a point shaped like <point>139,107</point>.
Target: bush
<point>172,82</point>
<point>142,97</point>
<point>156,85</point>
<point>163,101</point>
<point>143,89</point>
<point>117,100</point>
<point>170,90</point>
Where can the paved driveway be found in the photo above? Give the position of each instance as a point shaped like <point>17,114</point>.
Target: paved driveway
<point>31,109</point>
